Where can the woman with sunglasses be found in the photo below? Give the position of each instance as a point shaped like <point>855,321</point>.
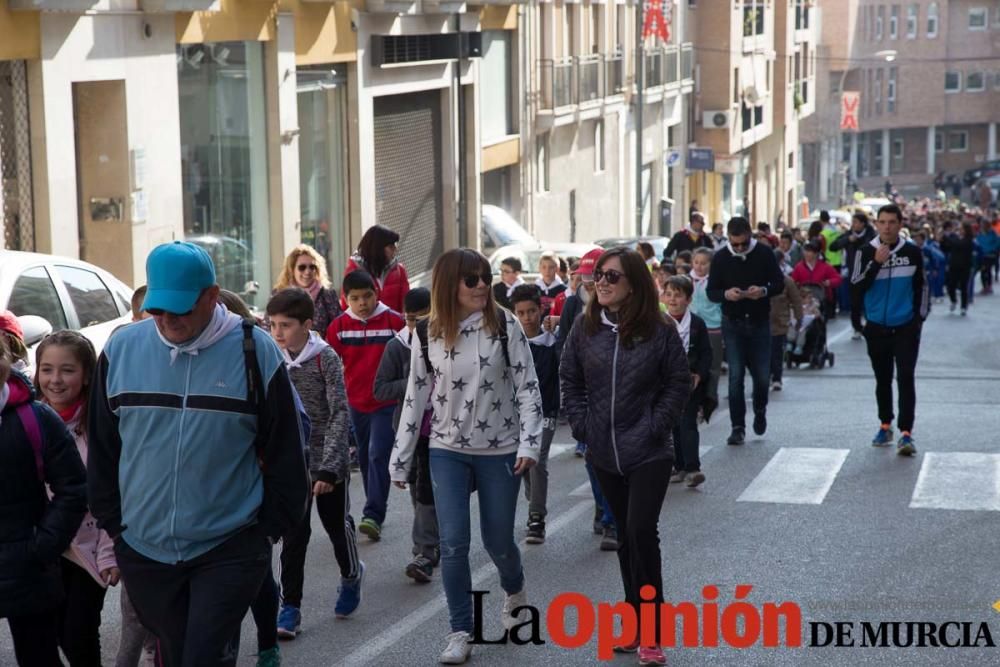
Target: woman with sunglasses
<point>625,383</point>
<point>306,268</point>
<point>472,362</point>
<point>377,255</point>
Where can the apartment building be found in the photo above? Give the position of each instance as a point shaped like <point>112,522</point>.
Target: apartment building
<point>929,87</point>
<point>756,72</point>
<point>250,126</point>
<point>583,160</point>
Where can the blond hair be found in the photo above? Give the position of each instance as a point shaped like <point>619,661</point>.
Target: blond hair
<point>287,277</point>
<point>449,271</point>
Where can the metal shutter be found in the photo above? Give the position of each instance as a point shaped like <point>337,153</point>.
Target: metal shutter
<point>408,175</point>
<point>16,212</point>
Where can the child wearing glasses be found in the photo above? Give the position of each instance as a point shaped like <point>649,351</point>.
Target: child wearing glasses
<point>359,336</point>
<point>390,385</point>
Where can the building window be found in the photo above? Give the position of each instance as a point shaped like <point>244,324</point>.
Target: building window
<point>939,142</point>
<point>542,159</point>
<point>599,146</point>
<point>224,171</point>
<point>952,82</point>
<point>879,20</point>
<point>791,160</point>
<point>932,20</point>
<point>878,91</point>
<point>890,93</point>
<point>958,142</point>
<point>497,118</point>
<point>877,153</point>
<point>975,82</point>
<point>894,22</point>
<point>897,148</point>
<point>912,19</point>
<point>977,18</point>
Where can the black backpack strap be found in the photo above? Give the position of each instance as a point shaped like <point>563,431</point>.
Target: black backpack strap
<point>504,339</point>
<point>422,336</point>
<point>255,382</point>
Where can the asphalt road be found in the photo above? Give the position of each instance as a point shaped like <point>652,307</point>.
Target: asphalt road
<point>809,513</point>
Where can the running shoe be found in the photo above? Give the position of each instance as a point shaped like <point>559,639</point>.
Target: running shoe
<point>651,655</point>
<point>905,446</point>
<point>776,385</point>
<point>610,540</point>
<point>883,438</point>
<point>349,594</point>
<point>760,423</point>
<point>289,622</point>
<point>964,312</point>
<point>371,528</point>
<point>951,308</point>
<point>857,335</point>
<point>737,437</point>
<point>458,649</point>
<point>696,479</point>
<point>269,658</point>
<point>420,569</point>
<point>512,601</point>
<point>536,529</point>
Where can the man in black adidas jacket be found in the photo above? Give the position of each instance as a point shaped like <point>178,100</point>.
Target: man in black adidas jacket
<point>743,278</point>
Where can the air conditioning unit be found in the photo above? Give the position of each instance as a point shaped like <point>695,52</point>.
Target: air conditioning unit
<point>716,120</point>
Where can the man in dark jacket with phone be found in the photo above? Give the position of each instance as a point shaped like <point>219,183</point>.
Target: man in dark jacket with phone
<point>743,277</point>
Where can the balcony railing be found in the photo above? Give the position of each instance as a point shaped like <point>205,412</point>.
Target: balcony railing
<point>652,74</point>
<point>557,85</point>
<point>614,73</point>
<point>671,59</point>
<point>687,62</point>
<point>588,78</point>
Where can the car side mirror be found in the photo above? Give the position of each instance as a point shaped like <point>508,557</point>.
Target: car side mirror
<point>35,328</point>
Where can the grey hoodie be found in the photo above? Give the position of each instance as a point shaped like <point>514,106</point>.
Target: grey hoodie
<point>394,372</point>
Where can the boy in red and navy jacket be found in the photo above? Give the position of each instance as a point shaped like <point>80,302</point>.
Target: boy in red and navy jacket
<point>359,336</point>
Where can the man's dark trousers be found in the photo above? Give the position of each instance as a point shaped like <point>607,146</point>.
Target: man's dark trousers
<point>895,346</point>
<point>748,344</point>
<point>195,607</point>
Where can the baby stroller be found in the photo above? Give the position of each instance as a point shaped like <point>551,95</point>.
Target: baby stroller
<point>809,343</point>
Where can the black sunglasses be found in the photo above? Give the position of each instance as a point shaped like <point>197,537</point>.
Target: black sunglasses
<point>472,280</point>
<point>307,267</point>
<point>610,275</point>
<point>157,312</point>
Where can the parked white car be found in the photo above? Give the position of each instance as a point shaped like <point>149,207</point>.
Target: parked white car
<point>50,293</point>
<point>500,229</point>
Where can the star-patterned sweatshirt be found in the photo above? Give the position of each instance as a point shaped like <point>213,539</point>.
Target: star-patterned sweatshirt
<point>481,406</point>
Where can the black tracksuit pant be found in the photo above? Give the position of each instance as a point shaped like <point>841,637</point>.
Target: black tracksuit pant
<point>890,347</point>
<point>80,616</point>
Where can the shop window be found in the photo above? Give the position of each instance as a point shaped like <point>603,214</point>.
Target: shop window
<point>495,96</point>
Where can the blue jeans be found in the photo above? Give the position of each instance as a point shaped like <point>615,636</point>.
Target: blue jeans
<point>375,438</point>
<point>607,519</point>
<point>454,475</point>
<point>747,344</point>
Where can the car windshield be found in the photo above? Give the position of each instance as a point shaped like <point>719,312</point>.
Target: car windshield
<point>503,228</point>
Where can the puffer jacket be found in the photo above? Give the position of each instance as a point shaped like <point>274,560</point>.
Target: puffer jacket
<point>35,531</point>
<point>624,400</point>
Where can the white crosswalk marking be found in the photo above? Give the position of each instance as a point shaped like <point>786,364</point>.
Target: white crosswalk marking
<point>797,475</point>
<point>958,481</point>
<point>582,491</point>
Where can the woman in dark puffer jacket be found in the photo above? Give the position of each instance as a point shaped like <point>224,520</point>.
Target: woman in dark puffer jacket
<point>34,531</point>
<point>625,382</point>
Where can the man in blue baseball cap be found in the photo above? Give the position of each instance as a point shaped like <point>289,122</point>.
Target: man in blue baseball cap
<point>196,463</point>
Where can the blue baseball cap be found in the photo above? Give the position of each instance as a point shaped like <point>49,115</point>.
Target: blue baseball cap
<point>176,275</point>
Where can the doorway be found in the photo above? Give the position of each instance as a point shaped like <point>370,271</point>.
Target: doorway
<point>102,176</point>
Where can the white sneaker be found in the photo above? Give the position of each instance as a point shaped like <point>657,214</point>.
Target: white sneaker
<point>776,386</point>
<point>510,603</point>
<point>951,309</point>
<point>458,649</point>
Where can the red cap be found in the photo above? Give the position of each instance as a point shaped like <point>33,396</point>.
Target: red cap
<point>588,262</point>
<point>9,324</point>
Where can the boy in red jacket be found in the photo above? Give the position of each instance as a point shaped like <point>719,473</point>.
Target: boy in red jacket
<point>359,336</point>
<point>813,271</point>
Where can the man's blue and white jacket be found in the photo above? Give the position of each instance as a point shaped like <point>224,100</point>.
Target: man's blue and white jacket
<point>176,464</point>
<point>894,293</point>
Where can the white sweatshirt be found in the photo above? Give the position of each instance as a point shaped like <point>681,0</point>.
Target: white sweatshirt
<point>481,406</point>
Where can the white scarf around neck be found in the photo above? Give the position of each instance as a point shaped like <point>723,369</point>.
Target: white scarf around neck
<point>314,347</point>
<point>223,322</point>
<point>379,309</point>
<point>545,339</point>
<point>517,283</point>
<point>607,322</point>
<point>545,288</point>
<point>684,328</point>
<point>742,255</point>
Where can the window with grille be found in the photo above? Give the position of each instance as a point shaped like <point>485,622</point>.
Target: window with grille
<point>16,206</point>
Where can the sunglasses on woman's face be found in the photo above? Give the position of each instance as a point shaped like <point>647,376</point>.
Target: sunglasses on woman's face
<point>302,268</point>
<point>472,280</point>
<point>610,275</point>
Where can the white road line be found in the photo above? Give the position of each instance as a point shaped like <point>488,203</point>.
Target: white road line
<point>704,449</point>
<point>556,451</point>
<point>958,481</point>
<point>582,491</point>
<point>798,475</point>
<point>425,612</point>
<point>839,336</point>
